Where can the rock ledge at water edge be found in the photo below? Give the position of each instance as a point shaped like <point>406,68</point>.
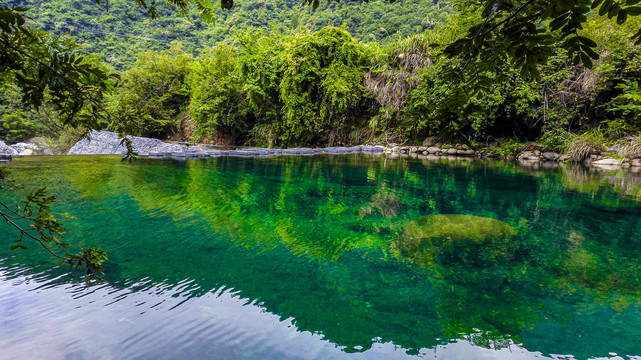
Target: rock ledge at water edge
<point>6,152</point>
<point>108,143</point>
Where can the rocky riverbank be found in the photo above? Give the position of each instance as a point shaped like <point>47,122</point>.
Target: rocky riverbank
<point>109,143</point>
<point>609,159</point>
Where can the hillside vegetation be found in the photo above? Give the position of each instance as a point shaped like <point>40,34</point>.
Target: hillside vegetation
<point>119,31</point>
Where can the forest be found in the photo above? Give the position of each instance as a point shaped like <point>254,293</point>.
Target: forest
<point>279,73</point>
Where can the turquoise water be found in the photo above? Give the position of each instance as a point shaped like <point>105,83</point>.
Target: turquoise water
<point>319,258</point>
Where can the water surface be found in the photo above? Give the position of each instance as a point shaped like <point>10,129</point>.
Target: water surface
<point>312,258</point>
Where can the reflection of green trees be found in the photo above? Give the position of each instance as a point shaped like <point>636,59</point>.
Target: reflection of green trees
<point>317,239</point>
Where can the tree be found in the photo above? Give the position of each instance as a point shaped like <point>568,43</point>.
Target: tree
<point>503,39</point>
<point>152,94</point>
<point>44,68</point>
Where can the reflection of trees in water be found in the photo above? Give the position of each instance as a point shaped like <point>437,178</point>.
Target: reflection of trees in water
<point>321,239</point>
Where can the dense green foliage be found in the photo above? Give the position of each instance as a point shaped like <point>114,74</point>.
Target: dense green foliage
<point>281,90</point>
<point>327,88</point>
<point>565,96</point>
<point>151,94</point>
<point>288,86</point>
<point>554,42</point>
<point>119,31</point>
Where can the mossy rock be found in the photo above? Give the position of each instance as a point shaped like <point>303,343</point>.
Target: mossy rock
<point>458,238</point>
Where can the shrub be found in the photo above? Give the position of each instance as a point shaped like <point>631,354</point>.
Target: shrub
<point>215,93</point>
<point>152,94</point>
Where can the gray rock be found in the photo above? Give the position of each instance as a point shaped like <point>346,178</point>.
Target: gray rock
<point>452,151</point>
<point>26,152</point>
<point>432,150</point>
<point>7,150</point>
<point>427,143</point>
<point>526,154</point>
<point>20,147</point>
<point>369,149</point>
<point>108,143</point>
<point>607,162</point>
<point>635,162</point>
<point>550,156</point>
<point>529,156</point>
<point>332,150</point>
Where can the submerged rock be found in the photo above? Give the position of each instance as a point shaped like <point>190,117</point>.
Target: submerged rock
<point>108,143</point>
<point>454,238</point>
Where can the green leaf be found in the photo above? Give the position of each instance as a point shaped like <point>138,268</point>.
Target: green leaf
<point>614,11</point>
<point>587,41</point>
<point>590,52</point>
<point>587,62</point>
<point>634,10</point>
<point>607,4</point>
<point>622,17</point>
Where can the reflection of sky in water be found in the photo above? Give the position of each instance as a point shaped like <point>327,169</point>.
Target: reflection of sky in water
<point>43,320</point>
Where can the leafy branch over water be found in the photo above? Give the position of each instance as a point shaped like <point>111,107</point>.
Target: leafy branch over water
<point>45,229</point>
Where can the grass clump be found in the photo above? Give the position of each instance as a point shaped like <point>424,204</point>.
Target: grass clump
<point>581,146</point>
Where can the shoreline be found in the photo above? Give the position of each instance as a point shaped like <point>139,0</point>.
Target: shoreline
<point>110,143</point>
<point>528,158</point>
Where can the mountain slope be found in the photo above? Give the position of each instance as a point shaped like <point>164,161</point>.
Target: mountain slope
<point>120,32</point>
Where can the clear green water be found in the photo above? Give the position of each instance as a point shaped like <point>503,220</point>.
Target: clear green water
<point>309,258</point>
